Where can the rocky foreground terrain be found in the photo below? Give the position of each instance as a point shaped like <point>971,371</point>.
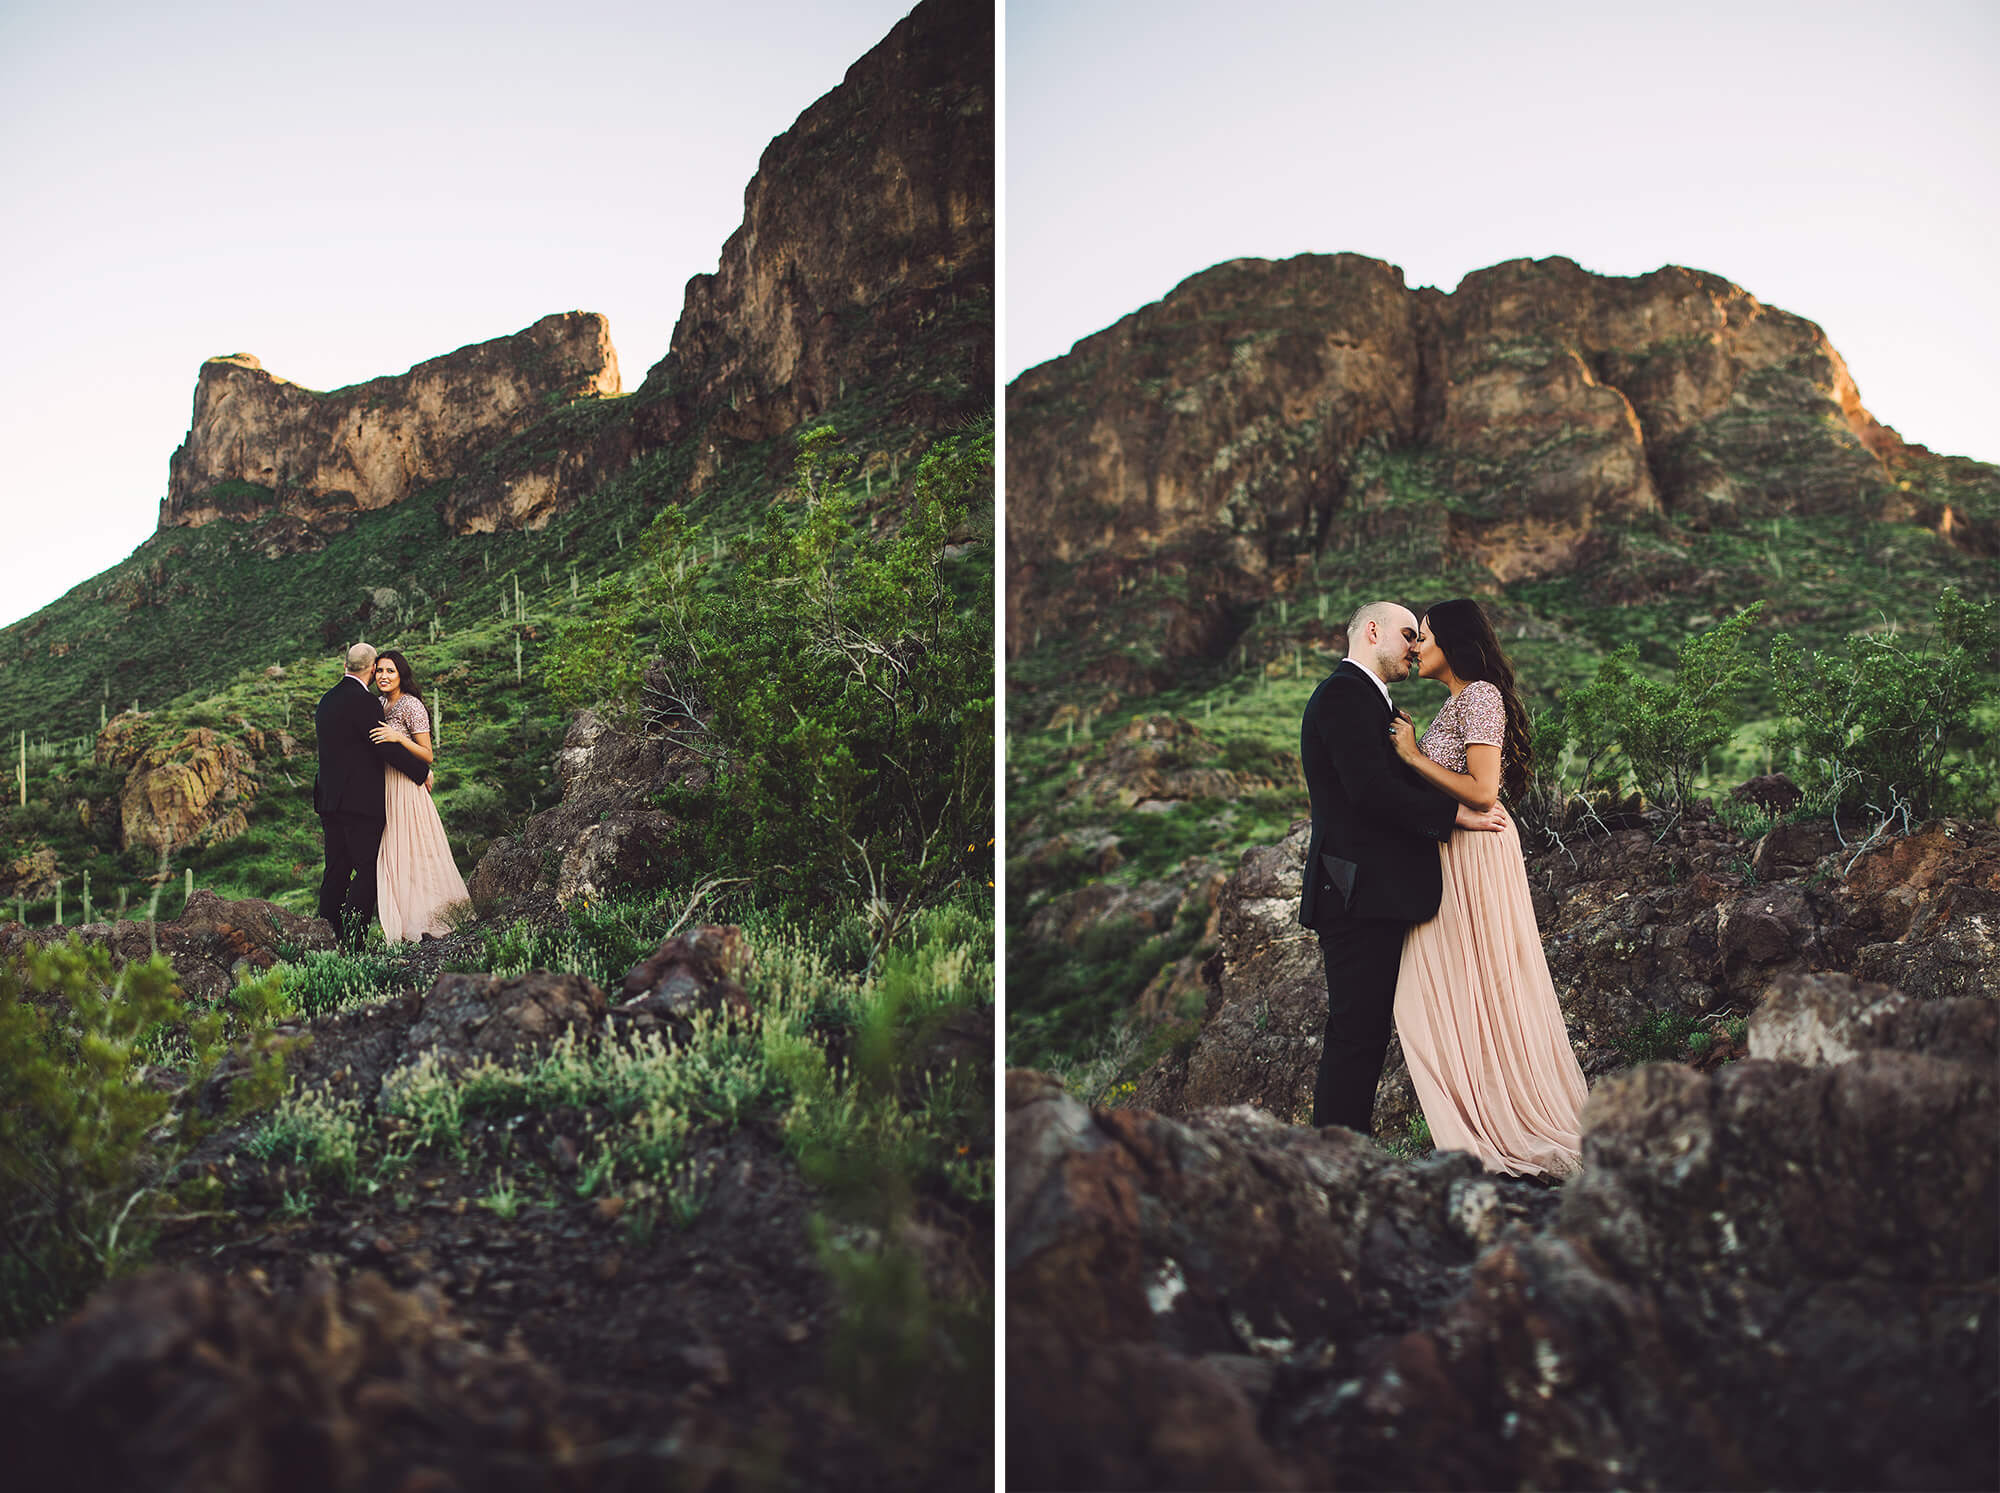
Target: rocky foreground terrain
<point>413,1336</point>
<point>1778,1268</point>
<point>483,1316</point>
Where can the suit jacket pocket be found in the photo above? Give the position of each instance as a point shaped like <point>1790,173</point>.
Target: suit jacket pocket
<point>1341,873</point>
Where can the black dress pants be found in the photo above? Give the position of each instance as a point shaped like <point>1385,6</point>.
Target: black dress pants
<point>347,890</point>
<point>1362,956</point>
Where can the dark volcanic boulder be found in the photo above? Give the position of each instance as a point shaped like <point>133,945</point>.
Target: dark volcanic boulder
<point>213,944</point>
<point>690,972</point>
<point>467,1019</point>
<point>1832,1018</point>
<point>176,1381</point>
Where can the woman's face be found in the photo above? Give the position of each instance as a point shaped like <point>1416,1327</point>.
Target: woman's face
<point>387,679</point>
<point>1430,657</point>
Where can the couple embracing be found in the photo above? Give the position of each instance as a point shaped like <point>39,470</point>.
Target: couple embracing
<point>385,845</point>
<point>1416,887</point>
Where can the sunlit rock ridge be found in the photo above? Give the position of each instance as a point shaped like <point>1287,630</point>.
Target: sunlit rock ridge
<point>260,445</point>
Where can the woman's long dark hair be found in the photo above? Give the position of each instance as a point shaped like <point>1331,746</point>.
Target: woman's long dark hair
<point>1473,650</point>
<point>408,675</point>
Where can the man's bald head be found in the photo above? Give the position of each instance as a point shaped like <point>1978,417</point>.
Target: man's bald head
<point>1382,638</point>
<point>360,659</point>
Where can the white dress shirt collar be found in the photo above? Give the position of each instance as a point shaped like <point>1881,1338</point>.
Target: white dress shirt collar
<point>1375,679</point>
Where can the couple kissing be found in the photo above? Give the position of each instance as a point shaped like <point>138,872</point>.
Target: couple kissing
<point>1415,884</point>
<point>386,849</point>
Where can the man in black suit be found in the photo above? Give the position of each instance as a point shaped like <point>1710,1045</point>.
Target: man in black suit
<point>1372,864</point>
<point>348,797</point>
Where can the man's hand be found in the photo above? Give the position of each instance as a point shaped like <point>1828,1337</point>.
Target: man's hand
<point>1493,819</point>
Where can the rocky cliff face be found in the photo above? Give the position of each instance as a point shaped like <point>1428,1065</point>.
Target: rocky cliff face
<point>261,448</point>
<point>867,230</point>
<point>1213,441</point>
<point>864,262</point>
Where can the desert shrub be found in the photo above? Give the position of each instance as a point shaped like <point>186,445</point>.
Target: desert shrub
<point>90,1143</point>
<point>1546,789</point>
<point>1658,1038</point>
<point>1879,725</point>
<point>913,1365</point>
<point>880,1129</point>
<point>878,1120</point>
<point>1576,744</point>
<point>314,1130</point>
<point>598,938</point>
<point>475,810</point>
<point>322,980</point>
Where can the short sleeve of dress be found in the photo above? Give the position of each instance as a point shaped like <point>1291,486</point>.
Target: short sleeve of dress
<point>416,719</point>
<point>1481,715</point>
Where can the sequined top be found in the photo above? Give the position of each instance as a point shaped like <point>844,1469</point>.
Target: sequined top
<point>1475,718</point>
<point>409,713</point>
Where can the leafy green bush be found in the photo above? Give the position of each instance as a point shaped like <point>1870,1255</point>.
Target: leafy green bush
<point>89,1145</point>
<point>1879,725</point>
<point>1668,730</point>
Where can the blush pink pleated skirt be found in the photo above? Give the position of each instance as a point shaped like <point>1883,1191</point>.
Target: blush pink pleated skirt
<point>1476,1010</point>
<point>416,878</point>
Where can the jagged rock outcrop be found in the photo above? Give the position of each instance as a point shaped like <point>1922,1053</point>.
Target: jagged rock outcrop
<point>1205,449</point>
<point>197,789</point>
<point>266,450</point>
<point>467,1019</point>
<point>31,875</point>
<point>606,832</point>
<point>865,258</point>
<point>1747,1255</point>
<point>868,221</point>
<point>1635,928</point>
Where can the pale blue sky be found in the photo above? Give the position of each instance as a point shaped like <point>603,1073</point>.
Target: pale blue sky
<point>345,191</point>
<point>1839,160</point>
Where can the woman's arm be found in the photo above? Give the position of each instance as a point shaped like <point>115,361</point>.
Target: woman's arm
<point>418,745</point>
<point>1477,789</point>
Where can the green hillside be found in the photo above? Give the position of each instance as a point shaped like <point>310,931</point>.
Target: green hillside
<point>199,628</point>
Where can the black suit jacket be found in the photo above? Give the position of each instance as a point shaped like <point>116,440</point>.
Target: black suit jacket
<point>1368,807</point>
<point>349,780</point>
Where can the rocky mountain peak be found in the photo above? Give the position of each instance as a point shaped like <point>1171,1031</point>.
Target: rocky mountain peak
<point>870,219</point>
<point>259,445</point>
<point>1211,441</point>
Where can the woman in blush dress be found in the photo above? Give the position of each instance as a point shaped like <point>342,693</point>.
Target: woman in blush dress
<point>415,875</point>
<point>1476,1010</point>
